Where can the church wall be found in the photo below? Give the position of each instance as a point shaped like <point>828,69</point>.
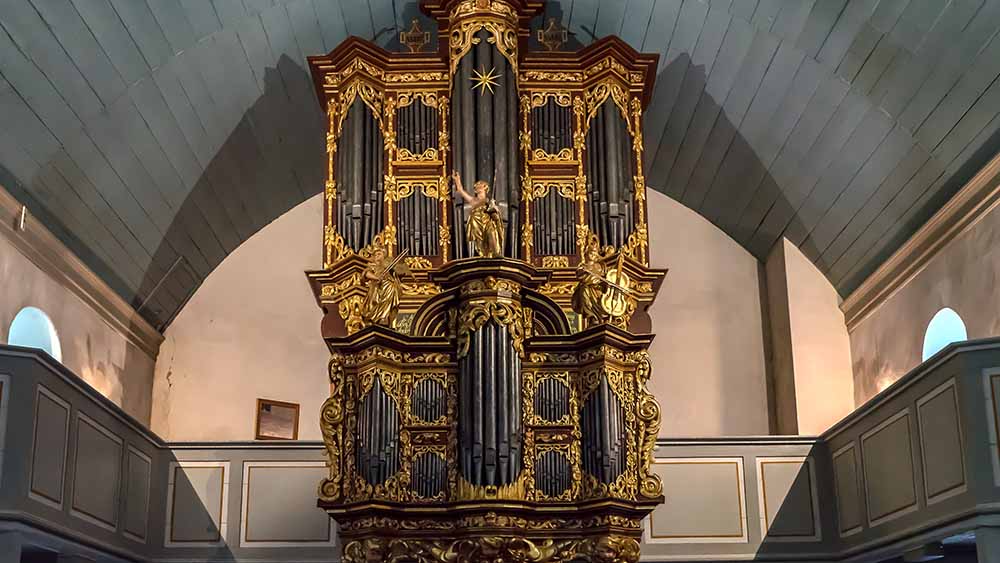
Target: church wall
<point>252,330</point>
<point>100,354</point>
<point>963,276</point>
<point>708,355</point>
<point>820,346</point>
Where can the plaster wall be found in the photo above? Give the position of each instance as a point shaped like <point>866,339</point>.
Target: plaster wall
<point>252,330</point>
<point>708,355</point>
<point>91,348</point>
<point>963,275</point>
<point>820,346</point>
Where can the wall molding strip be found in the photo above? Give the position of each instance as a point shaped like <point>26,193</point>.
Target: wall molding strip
<point>51,256</point>
<point>966,208</point>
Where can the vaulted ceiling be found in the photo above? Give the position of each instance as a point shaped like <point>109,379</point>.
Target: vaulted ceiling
<point>154,136</point>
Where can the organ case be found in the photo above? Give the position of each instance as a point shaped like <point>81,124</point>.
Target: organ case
<point>484,419</point>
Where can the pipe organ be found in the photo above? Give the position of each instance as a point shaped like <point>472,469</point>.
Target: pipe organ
<point>485,283</point>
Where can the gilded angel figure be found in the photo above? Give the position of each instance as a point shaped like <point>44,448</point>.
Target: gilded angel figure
<point>484,226</point>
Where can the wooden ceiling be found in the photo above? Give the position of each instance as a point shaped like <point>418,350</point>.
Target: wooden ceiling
<point>154,136</point>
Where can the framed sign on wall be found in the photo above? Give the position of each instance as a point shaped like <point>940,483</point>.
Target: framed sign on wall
<point>277,420</point>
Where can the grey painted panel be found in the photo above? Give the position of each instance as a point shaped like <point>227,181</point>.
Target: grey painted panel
<point>281,505</point>
<point>97,474</point>
<point>888,469</point>
<point>845,474</point>
<point>941,442</point>
<point>48,461</point>
<point>196,508</point>
<point>138,471</point>
<point>703,500</point>
<point>788,499</point>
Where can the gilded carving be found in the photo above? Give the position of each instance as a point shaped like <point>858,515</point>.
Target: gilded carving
<point>564,155</point>
<point>493,549</point>
<point>484,227</point>
<point>498,18</point>
<point>429,155</point>
<point>417,263</point>
<point>331,421</point>
<point>555,262</point>
<point>475,314</point>
<point>550,76</point>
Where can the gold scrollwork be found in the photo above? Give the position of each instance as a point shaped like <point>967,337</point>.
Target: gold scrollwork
<point>549,76</point>
<point>597,95</point>
<point>557,262</point>
<point>564,155</point>
<point>331,423</point>
<point>418,263</point>
<point>475,314</point>
<point>495,16</point>
<point>566,188</point>
<point>600,549</point>
<point>490,284</point>
<point>430,154</point>
<point>560,97</point>
<point>429,99</point>
<point>415,77</point>
<point>398,189</point>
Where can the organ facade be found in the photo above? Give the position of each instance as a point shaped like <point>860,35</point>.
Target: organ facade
<point>485,286</point>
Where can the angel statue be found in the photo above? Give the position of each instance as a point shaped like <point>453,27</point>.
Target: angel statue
<point>590,289</point>
<point>384,287</point>
<point>485,226</point>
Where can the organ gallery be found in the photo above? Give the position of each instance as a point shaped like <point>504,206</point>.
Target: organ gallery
<point>485,287</point>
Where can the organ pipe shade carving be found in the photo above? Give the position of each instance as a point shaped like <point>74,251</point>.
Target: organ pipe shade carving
<point>484,139</point>
<point>360,173</point>
<point>610,169</point>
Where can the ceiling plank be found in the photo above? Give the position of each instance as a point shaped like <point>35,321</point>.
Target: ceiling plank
<point>173,21</point>
<point>82,47</point>
<point>691,90</point>
<point>673,67</point>
<point>743,168</point>
<point>772,144</point>
<point>636,20</point>
<point>202,17</point>
<point>142,27</point>
<point>890,153</point>
<point>735,47</point>
<point>762,50</point>
<point>863,142</point>
<point>876,202</point>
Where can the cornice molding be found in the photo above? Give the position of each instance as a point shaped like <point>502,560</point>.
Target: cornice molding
<point>51,256</point>
<point>966,208</point>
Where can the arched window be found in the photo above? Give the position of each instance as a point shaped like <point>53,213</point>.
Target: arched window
<point>945,327</point>
<point>32,328</point>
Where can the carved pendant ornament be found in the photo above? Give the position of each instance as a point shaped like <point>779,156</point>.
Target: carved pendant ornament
<point>485,285</point>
